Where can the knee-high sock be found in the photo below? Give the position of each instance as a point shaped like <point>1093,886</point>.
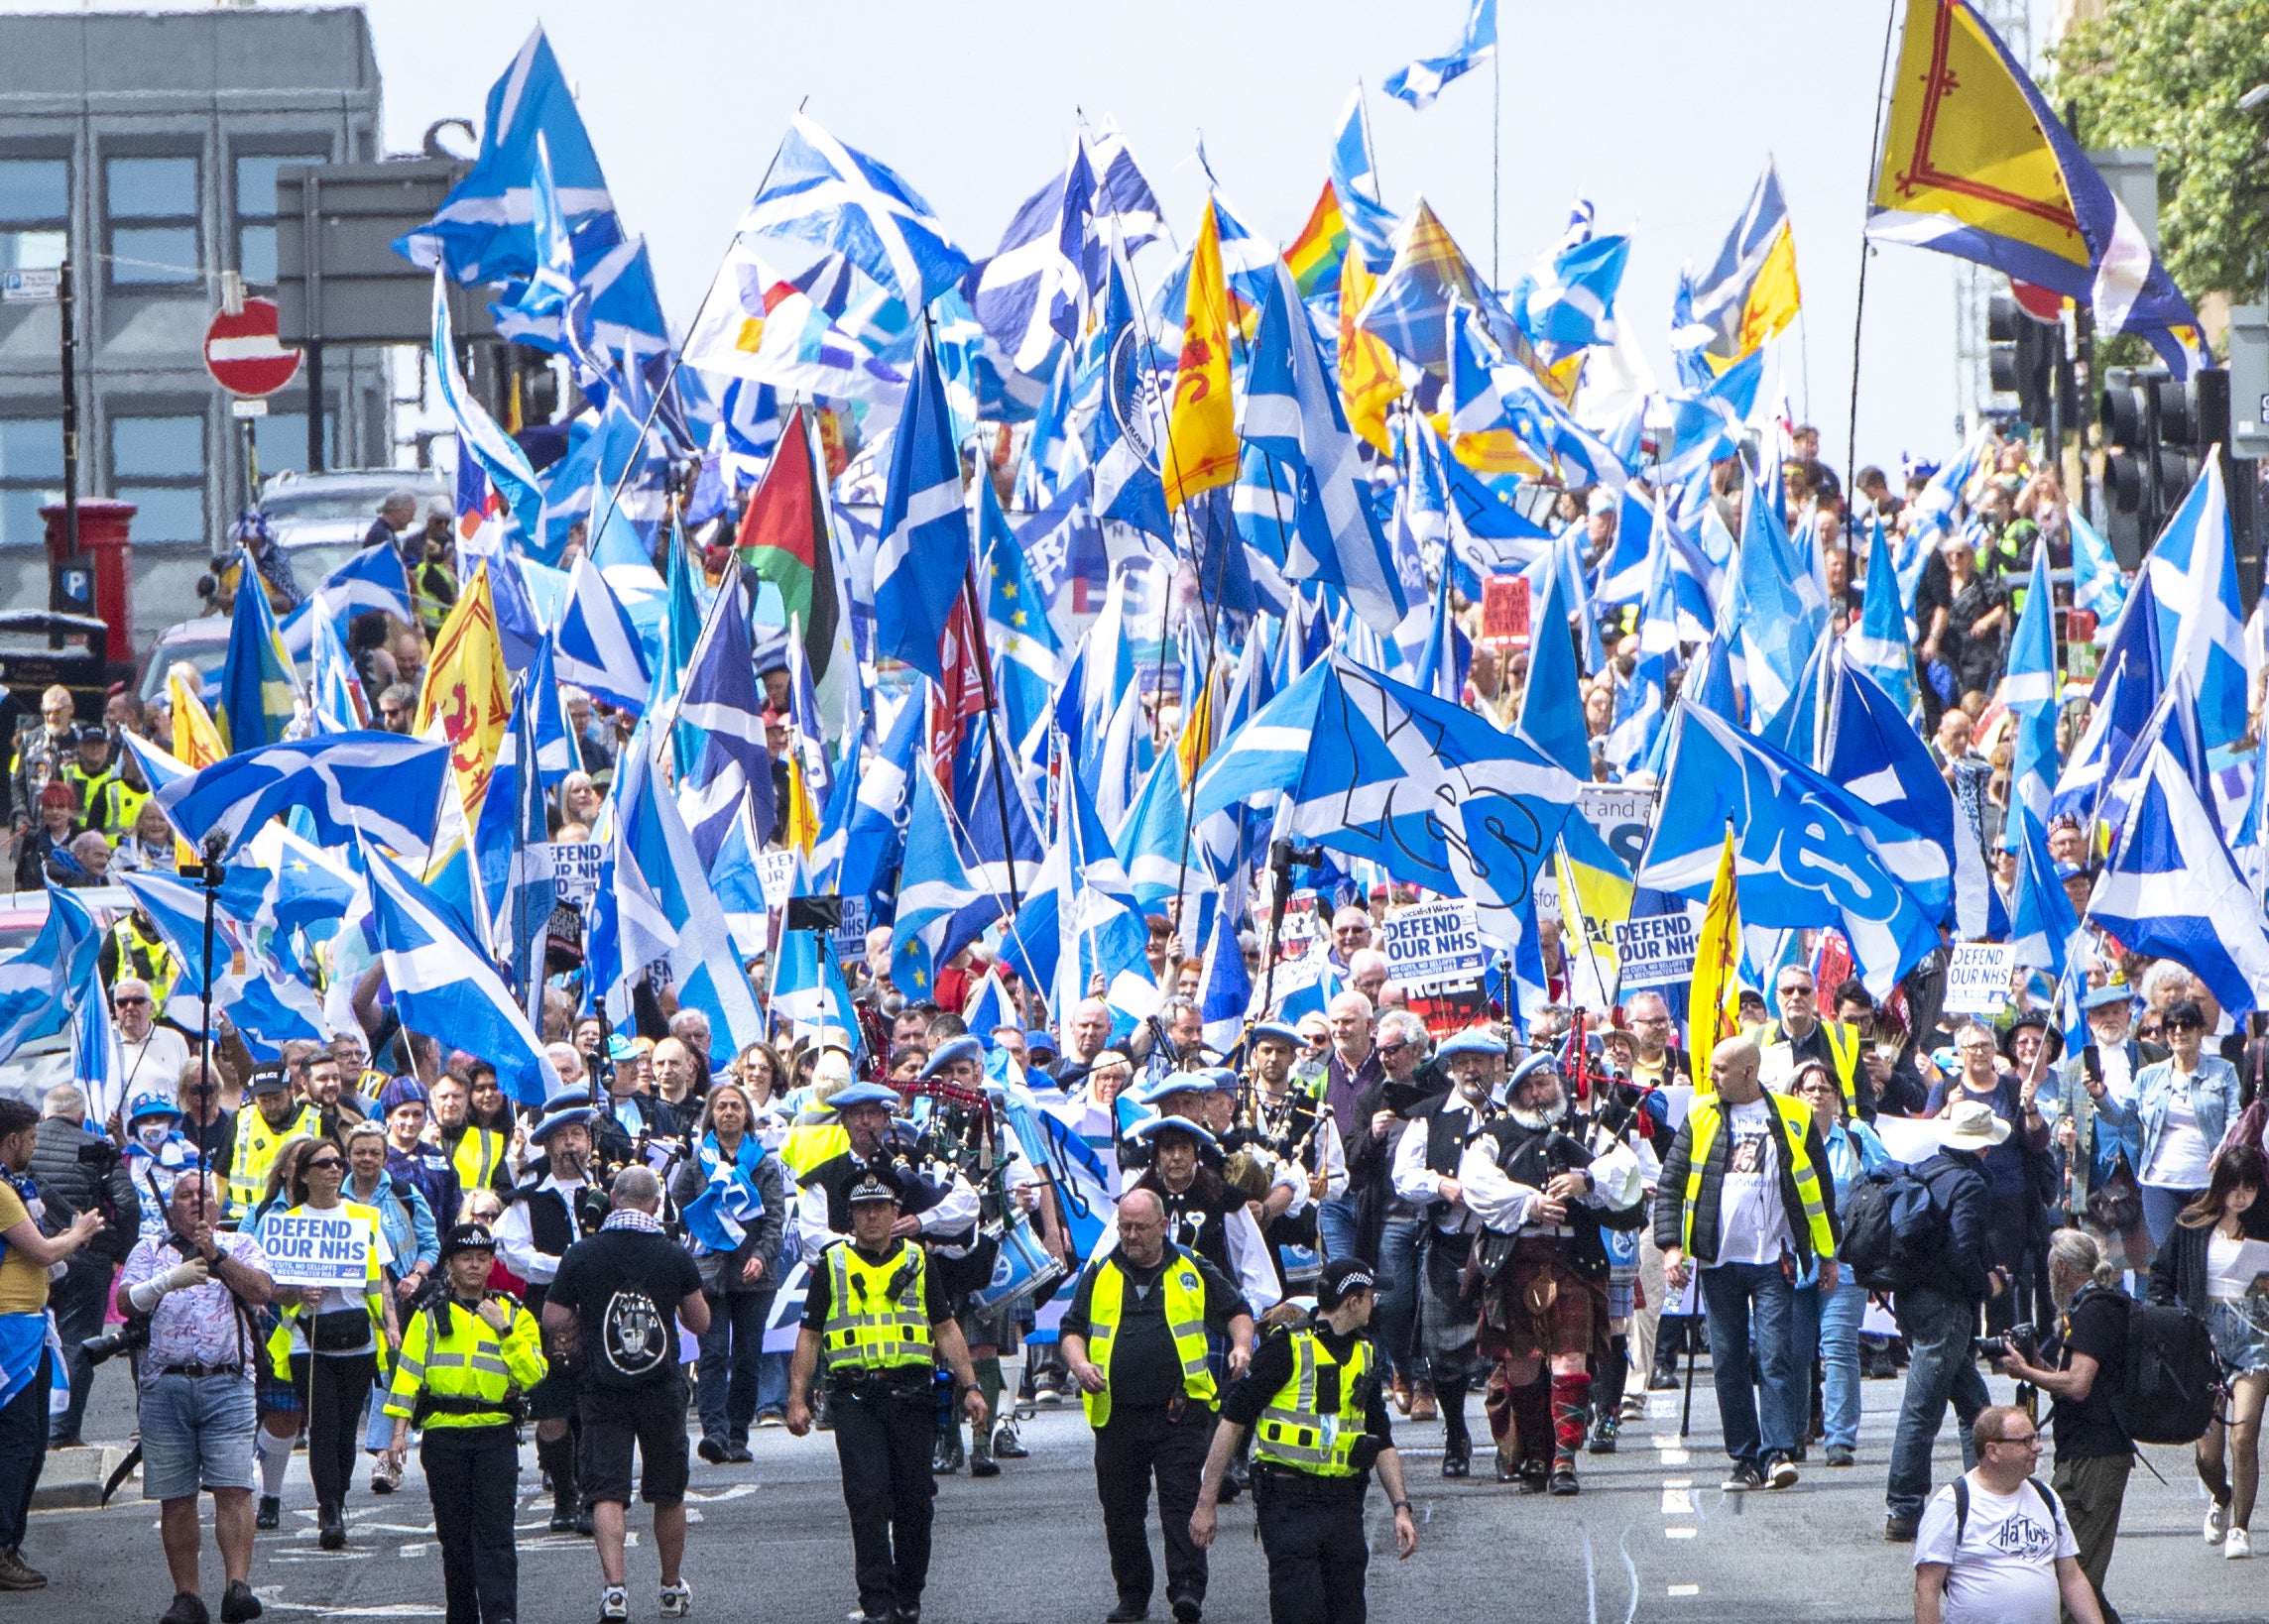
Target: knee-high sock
<point>1614,1369</point>
<point>1571,1412</point>
<point>1450,1392</point>
<point>556,1455</point>
<point>1532,1416</point>
<point>991,1383</point>
<point>274,1456</point>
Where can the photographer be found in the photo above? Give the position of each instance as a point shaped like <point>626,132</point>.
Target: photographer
<point>191,1295</point>
<point>25,1255</point>
<point>2094,1453</point>
<point>81,1172</point>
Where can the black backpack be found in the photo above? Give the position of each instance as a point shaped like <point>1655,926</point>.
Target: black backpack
<point>2169,1391</point>
<point>1894,1232</point>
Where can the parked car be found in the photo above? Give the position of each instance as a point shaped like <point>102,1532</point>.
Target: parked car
<point>319,519</point>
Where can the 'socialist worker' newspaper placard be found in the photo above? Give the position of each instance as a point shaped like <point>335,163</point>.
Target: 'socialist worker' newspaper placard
<point>1433,944</point>
<point>317,1249</point>
<point>1978,978</point>
<point>1656,951</point>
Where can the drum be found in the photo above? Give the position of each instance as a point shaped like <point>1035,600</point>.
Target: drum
<point>1022,1268</point>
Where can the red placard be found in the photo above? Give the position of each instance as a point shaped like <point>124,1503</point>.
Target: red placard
<point>1504,609</point>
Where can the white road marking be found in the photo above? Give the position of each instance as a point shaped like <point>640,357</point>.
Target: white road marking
<point>1680,1533</point>
<point>1686,1590</point>
<point>1678,1502</point>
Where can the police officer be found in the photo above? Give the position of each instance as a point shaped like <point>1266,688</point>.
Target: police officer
<point>1314,1398</point>
<point>1135,1340</point>
<point>467,1359</point>
<point>877,1315</point>
<point>547,1216</point>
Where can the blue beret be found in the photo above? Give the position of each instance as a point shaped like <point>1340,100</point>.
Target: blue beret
<point>2069,870</point>
<point>1473,1040</point>
<point>965,1047</point>
<point>1171,1084</point>
<point>2116,993</point>
<point>865,1093</point>
<point>568,1108</point>
<point>1534,1063</point>
<point>1276,1031</point>
<point>1223,1079</point>
<point>1150,1128</point>
<point>1039,1037</point>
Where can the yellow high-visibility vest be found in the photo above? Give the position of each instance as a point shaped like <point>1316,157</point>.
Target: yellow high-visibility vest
<point>1185,1318</point>
<point>1292,1432</point>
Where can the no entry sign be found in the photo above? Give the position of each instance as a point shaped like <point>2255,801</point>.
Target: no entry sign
<point>242,354</point>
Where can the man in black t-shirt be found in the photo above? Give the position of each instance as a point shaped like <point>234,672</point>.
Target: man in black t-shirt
<point>620,1295</point>
<point>2079,1365</point>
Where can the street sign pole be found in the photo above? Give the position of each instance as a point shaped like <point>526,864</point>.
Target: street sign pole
<point>67,308</point>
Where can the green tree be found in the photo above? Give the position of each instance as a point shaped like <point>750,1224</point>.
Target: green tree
<point>2167,74</point>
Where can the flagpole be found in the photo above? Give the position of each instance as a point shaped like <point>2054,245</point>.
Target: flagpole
<point>992,715</point>
<point>1859,302</point>
<point>1496,155</point>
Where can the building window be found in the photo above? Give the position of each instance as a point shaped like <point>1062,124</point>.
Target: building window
<point>280,437</point>
<point>31,473</point>
<point>152,209</point>
<point>256,213</point>
<point>34,212</point>
<point>159,465</point>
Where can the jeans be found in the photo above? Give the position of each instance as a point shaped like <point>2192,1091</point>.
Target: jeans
<point>1741,1299</point>
<point>1337,1227</point>
<point>2160,1206</point>
<point>1398,1297</point>
<point>726,1389</point>
<point>79,1300</point>
<point>1828,1329</point>
<point>23,1450</point>
<point>1940,1368</point>
<point>772,1384</point>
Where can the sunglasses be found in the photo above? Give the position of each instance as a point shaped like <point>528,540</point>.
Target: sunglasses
<point>318,1166</point>
<point>130,999</point>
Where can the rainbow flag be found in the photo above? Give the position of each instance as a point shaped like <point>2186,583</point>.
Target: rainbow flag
<point>1315,254</point>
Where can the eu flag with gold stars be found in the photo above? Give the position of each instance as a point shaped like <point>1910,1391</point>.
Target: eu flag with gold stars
<point>1028,654</point>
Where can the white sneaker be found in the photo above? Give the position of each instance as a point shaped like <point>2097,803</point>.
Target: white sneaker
<point>2236,1546</point>
<point>677,1600</point>
<point>2216,1523</point>
<point>614,1605</point>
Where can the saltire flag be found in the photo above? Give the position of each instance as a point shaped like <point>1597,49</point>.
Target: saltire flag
<point>1975,164</point>
<point>465,700</point>
<point>1568,302</point>
<point>828,198</point>
<point>875,835</point>
<point>1293,414</point>
<point>378,786</point>
<point>2042,921</point>
<point>1026,654</point>
<point>484,229</point>
<point>724,701</point>
<point>443,983</point>
<point>1376,770</point>
<point>597,646</point>
<point>372,579</point>
<point>1747,297</point>
<point>1420,82</point>
<point>809,987</point>
<point>478,435</point>
<point>2197,613</point>
<point>665,909</point>
<point>42,983</point>
<point>1122,192</point>
<point>260,990</point>
<point>2098,585</point>
<point>2171,890</point>
<point>96,1065</point>
<point>334,693</point>
<point>1811,853</point>
<point>1201,449</point>
<point>257,682</point>
<point>922,566</point>
<point>1877,644</point>
<point>1225,984</point>
<point>940,907</point>
<point>2030,688</point>
<point>1032,293</point>
<point>1778,606</point>
<point>720,1216</point>
<point>1080,921</point>
<point>1355,187</point>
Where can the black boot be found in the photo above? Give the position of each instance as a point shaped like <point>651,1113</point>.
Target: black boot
<point>332,1526</point>
<point>556,1455</point>
<point>1668,1345</point>
<point>1457,1442</point>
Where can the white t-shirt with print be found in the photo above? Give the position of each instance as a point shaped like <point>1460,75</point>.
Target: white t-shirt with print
<point>2005,1570</point>
<point>1753,1224</point>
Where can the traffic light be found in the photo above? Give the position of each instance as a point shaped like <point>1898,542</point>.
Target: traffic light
<point>2023,356</point>
<point>2150,433</point>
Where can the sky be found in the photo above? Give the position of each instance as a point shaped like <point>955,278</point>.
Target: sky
<point>1662,112</point>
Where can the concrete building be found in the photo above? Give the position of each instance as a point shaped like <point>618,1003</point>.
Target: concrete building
<point>146,145</point>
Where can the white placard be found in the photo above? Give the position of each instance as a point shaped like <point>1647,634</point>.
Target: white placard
<point>317,1250</point>
<point>775,871</point>
<point>1432,944</point>
<point>576,869</point>
<point>851,935</point>
<point>1657,951</point>
<point>1978,978</point>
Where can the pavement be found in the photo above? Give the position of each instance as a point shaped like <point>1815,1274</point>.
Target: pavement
<point>1651,1537</point>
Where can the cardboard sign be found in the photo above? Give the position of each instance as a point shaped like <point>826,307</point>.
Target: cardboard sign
<point>1978,978</point>
<point>851,937</point>
<point>776,871</point>
<point>317,1250</point>
<point>1505,608</point>
<point>1433,944</point>
<point>575,868</point>
<point>1656,951</point>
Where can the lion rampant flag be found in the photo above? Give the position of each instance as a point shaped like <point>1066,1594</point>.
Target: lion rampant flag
<point>196,743</point>
<point>1714,1012</point>
<point>1201,435</point>
<point>466,700</point>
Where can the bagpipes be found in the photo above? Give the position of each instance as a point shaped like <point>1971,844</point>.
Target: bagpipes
<point>1005,1262</point>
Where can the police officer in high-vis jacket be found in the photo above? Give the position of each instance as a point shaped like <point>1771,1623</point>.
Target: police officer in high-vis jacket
<point>875,1320</point>
<point>467,1360</point>
<point>1313,1398</point>
<point>1135,1338</point>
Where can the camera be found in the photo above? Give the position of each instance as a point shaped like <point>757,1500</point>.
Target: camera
<point>98,1153</point>
<point>2016,1341</point>
<point>132,1336</point>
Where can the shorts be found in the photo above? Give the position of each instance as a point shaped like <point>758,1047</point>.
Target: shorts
<point>1539,1304</point>
<point>2242,1344</point>
<point>196,1433</point>
<point>653,1417</point>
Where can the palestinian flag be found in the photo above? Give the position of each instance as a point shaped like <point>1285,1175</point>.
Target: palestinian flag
<point>784,540</point>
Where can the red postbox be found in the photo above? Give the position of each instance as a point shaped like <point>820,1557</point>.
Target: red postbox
<point>100,580</point>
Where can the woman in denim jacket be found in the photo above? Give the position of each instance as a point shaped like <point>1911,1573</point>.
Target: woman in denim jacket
<point>1829,1321</point>
<point>2181,1107</point>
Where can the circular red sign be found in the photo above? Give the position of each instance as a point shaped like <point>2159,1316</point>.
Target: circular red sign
<point>2038,302</point>
<point>242,354</point>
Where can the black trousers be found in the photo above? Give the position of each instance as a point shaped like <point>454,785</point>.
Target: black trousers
<point>884,1441</point>
<point>1316,1551</point>
<point>472,1474</point>
<point>79,1300</point>
<point>1139,1443</point>
<point>333,1396</point>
